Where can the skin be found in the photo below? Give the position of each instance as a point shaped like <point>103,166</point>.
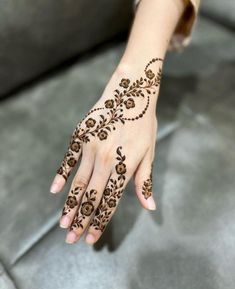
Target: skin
<point>116,139</point>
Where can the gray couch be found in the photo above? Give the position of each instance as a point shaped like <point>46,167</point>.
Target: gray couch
<point>48,82</point>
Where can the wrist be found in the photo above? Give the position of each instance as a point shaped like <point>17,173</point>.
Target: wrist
<point>136,66</point>
<point>138,81</point>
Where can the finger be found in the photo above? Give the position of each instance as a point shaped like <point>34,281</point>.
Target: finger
<point>90,200</point>
<point>68,163</point>
<point>78,187</point>
<point>110,199</point>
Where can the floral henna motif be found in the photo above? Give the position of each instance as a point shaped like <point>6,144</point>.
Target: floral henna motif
<point>86,209</point>
<point>71,201</point>
<point>111,195</point>
<point>147,187</point>
<point>124,99</point>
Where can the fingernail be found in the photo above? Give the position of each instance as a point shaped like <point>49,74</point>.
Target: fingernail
<point>64,222</point>
<point>151,204</point>
<point>55,188</point>
<point>57,184</point>
<point>90,239</point>
<point>71,237</point>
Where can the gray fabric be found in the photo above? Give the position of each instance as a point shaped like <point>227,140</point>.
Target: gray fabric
<point>35,38</point>
<point>211,46</point>
<point>221,11</point>
<point>5,280</point>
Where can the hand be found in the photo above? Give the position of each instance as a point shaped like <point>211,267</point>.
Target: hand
<point>115,140</point>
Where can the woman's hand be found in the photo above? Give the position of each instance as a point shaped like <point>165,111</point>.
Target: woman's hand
<point>115,140</point>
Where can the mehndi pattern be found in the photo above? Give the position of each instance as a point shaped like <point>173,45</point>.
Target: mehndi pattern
<point>113,111</point>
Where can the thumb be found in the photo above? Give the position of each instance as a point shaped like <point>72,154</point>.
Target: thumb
<point>143,182</point>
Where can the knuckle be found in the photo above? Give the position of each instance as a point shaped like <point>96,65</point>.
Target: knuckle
<point>105,157</point>
<point>80,181</point>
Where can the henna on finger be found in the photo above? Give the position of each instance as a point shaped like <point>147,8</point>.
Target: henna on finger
<point>111,194</point>
<point>72,199</point>
<point>85,210</point>
<point>147,187</point>
<point>71,158</point>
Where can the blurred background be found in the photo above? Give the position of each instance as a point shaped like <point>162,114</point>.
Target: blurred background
<point>55,60</point>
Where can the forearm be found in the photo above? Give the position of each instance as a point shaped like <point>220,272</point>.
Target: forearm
<point>153,26</point>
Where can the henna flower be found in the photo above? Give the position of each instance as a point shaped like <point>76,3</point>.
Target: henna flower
<point>71,162</point>
<point>129,103</point>
<point>102,134</point>
<point>71,202</point>
<point>87,208</point>
<point>107,191</point>
<point>121,168</point>
<point>75,146</point>
<point>124,82</point>
<point>109,103</point>
<point>90,122</point>
<point>150,74</point>
<point>111,203</point>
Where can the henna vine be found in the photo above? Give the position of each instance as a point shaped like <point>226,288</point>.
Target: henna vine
<point>71,201</point>
<point>86,209</point>
<point>147,187</point>
<point>111,195</point>
<point>124,99</point>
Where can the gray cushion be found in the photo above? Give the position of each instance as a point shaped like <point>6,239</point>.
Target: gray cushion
<point>220,11</point>
<point>36,36</point>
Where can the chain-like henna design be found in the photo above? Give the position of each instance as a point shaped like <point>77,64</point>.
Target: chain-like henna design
<point>124,99</point>
<point>71,201</point>
<point>111,195</point>
<point>86,209</point>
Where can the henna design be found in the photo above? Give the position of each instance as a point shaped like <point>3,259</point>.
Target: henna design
<point>71,201</point>
<point>86,209</point>
<point>111,195</point>
<point>124,99</point>
<point>147,187</point>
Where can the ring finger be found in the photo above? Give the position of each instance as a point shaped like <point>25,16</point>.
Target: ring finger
<point>90,200</point>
